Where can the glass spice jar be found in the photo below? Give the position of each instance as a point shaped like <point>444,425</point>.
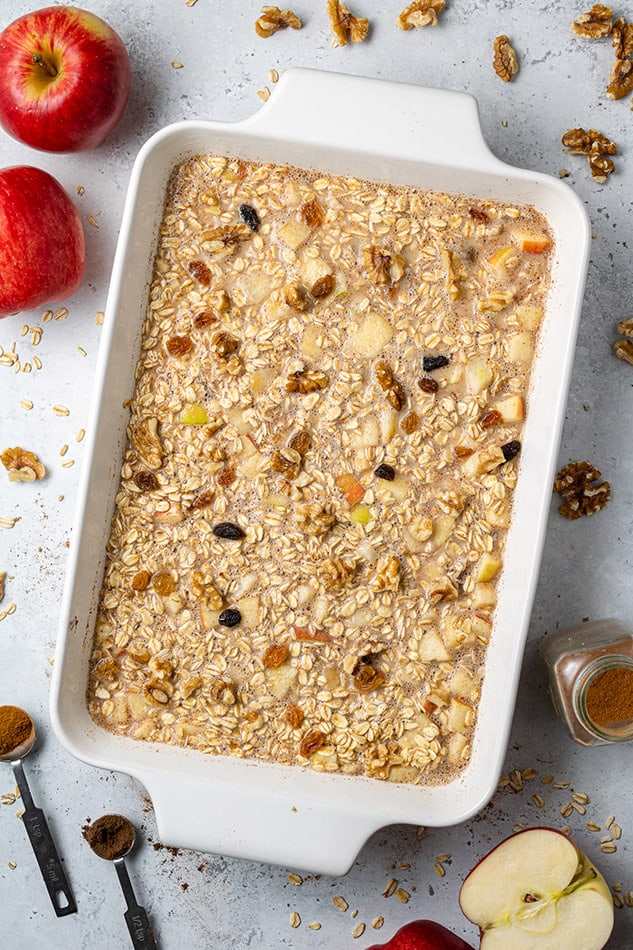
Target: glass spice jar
<point>590,671</point>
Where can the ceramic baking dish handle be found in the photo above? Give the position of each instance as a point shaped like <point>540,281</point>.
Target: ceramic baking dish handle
<point>429,125</point>
<point>249,819</point>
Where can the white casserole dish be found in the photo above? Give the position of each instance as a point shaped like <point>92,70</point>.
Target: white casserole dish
<point>372,129</point>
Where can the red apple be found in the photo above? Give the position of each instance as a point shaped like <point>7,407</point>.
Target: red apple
<point>423,935</point>
<point>537,889</point>
<point>64,79</point>
<point>41,240</point>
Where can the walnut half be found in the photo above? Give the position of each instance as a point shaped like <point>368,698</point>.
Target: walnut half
<point>595,24</point>
<point>505,62</point>
<point>273,19</point>
<point>420,13</point>
<point>22,466</point>
<point>346,26</point>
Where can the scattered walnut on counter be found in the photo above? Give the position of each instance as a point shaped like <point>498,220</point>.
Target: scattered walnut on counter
<point>420,13</point>
<point>505,62</point>
<point>346,26</point>
<point>622,34</point>
<point>21,465</point>
<point>596,146</point>
<point>623,349</point>
<point>273,19</point>
<point>575,484</point>
<point>595,24</point>
<point>621,79</point>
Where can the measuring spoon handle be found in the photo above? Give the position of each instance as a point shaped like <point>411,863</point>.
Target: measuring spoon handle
<point>44,848</point>
<point>136,918</point>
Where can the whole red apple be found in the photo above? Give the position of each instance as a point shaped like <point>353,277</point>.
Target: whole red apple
<point>423,935</point>
<point>42,249</point>
<point>64,79</point>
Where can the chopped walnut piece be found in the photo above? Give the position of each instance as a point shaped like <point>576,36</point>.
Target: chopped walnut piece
<point>273,19</point>
<point>296,297</point>
<point>224,240</point>
<point>622,34</point>
<point>22,466</point>
<point>455,273</point>
<point>346,26</point>
<point>300,441</point>
<point>621,79</point>
<point>394,393</point>
<point>623,349</point>
<point>625,327</point>
<point>574,483</point>
<point>366,677</point>
<point>204,319</point>
<point>336,572</point>
<point>223,691</point>
<point>579,142</point>
<point>505,62</point>
<point>420,13</point>
<point>205,592</point>
<point>189,685</point>
<point>224,344</point>
<point>287,462</point>
<point>383,267</point>
<point>313,519</point>
<point>601,167</point>
<point>387,576</point>
<point>595,24</point>
<point>306,381</point>
<point>147,442</point>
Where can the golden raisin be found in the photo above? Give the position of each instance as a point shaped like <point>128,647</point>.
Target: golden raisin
<point>203,500</point>
<point>311,742</point>
<point>300,441</point>
<point>492,418</point>
<point>164,584</point>
<point>275,655</point>
<point>462,451</point>
<point>179,345</point>
<point>204,319</point>
<point>294,716</point>
<point>146,481</point>
<point>410,423</point>
<point>226,476</point>
<point>140,580</point>
<point>312,214</point>
<point>323,286</point>
<point>367,678</point>
<point>200,272</point>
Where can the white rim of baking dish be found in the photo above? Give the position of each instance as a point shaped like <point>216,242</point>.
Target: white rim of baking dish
<point>290,815</point>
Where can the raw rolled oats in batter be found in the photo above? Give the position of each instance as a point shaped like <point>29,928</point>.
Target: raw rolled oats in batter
<point>322,450</point>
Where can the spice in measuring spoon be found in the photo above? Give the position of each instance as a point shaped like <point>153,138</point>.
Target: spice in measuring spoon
<point>609,698</point>
<point>111,837</point>
<point>17,738</point>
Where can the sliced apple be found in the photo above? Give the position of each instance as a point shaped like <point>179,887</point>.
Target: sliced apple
<point>352,489</point>
<point>432,648</point>
<point>538,890</point>
<point>511,409</point>
<point>372,336</point>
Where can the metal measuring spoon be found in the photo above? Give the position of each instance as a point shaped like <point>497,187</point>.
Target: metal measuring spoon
<point>37,828</point>
<point>112,837</point>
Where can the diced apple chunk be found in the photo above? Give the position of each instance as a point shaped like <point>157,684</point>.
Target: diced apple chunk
<point>459,715</point>
<point>294,233</point>
<point>249,607</point>
<point>484,596</point>
<point>257,285</point>
<point>372,336</point>
<point>478,375</point>
<point>388,425</point>
<point>481,627</point>
<point>520,347</point>
<point>529,316</point>
<point>532,242</point>
<point>193,414</point>
<point>280,680</point>
<point>432,648</point>
<point>209,617</point>
<point>488,567</point>
<point>442,528</point>
<point>511,409</point>
<point>484,461</point>
<point>310,345</point>
<point>398,488</point>
<point>262,379</point>
<point>313,269</point>
<point>456,746</point>
<point>462,684</point>
<point>457,632</point>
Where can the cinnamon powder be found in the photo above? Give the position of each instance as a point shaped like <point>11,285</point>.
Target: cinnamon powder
<point>15,728</point>
<point>111,836</point>
<point>610,696</point>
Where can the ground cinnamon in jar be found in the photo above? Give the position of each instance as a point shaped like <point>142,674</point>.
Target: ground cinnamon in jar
<point>609,697</point>
<point>15,728</point>
<point>111,836</point>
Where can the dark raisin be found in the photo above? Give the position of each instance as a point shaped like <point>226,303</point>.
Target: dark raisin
<point>230,617</point>
<point>428,385</point>
<point>385,471</point>
<point>429,363</point>
<point>249,216</point>
<point>228,530</point>
<point>511,450</point>
<point>146,481</point>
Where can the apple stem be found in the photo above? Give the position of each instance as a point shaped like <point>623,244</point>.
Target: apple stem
<point>39,60</point>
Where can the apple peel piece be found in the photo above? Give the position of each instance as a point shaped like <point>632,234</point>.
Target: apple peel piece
<point>537,891</point>
<point>423,935</point>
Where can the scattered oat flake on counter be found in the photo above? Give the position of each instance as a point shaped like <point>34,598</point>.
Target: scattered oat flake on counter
<point>505,62</point>
<point>61,410</point>
<point>272,19</point>
<point>420,13</point>
<point>22,466</point>
<point>595,24</point>
<point>91,221</point>
<point>575,484</point>
<point>3,575</point>
<point>8,522</point>
<point>176,65</point>
<point>345,25</point>
<point>264,94</point>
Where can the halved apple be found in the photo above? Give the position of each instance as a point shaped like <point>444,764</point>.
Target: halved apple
<point>538,890</point>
